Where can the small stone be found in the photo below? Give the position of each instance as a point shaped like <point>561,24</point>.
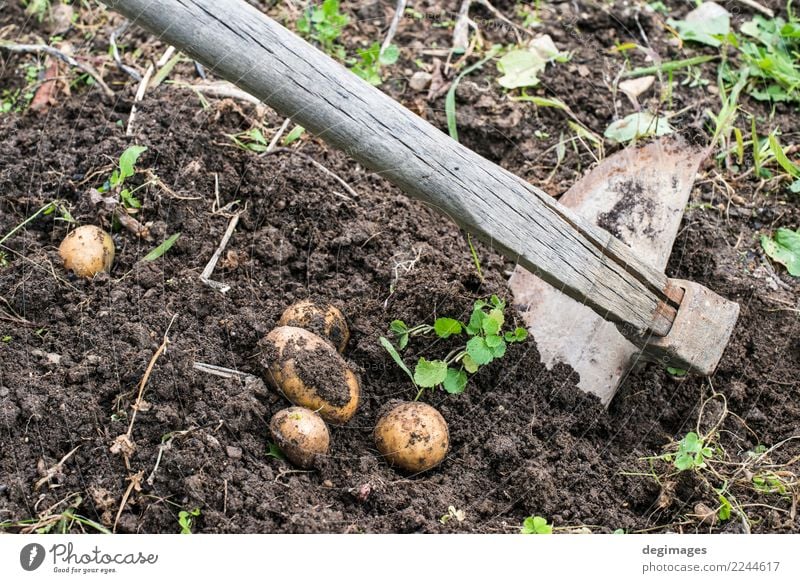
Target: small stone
<point>420,80</point>
<point>327,484</point>
<point>234,453</point>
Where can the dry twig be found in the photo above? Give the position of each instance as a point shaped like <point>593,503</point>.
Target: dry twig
<point>54,52</point>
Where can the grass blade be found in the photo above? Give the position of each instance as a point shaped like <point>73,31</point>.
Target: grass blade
<point>396,357</point>
<point>450,100</point>
<point>161,249</point>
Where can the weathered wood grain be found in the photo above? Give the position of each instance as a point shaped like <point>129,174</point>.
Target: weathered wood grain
<point>247,48</point>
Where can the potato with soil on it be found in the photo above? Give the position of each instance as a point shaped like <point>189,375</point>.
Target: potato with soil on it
<point>300,434</point>
<point>310,373</point>
<point>324,320</point>
<point>412,436</point>
<point>87,251</point>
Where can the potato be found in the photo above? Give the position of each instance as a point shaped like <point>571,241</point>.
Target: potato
<point>325,321</point>
<point>310,373</point>
<point>412,436</point>
<point>87,251</point>
<point>300,434</point>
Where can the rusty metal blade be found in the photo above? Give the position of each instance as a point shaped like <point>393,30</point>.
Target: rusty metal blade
<point>638,195</point>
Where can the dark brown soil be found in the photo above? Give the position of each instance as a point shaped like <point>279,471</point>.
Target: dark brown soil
<point>524,440</point>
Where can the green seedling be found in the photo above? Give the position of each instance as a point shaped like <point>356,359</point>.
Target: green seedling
<point>324,23</point>
<point>163,248</point>
<point>126,168</point>
<point>186,520</point>
<point>485,341</point>
<point>536,525</point>
<point>251,141</point>
<point>370,60</point>
<point>293,135</point>
<point>17,100</point>
<point>692,453</point>
<point>771,47</point>
<point>453,513</point>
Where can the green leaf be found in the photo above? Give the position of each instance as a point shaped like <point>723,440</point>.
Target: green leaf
<point>493,321</point>
<point>497,302</point>
<point>724,512</point>
<point>455,382</point>
<point>389,55</point>
<point>398,327</point>
<point>446,327</point>
<point>637,125</point>
<point>784,248</point>
<point>684,461</point>
<point>396,356</point>
<point>704,31</point>
<point>493,340</point>
<point>478,351</point>
<point>476,318</point>
<point>521,67</point>
<point>469,365</point>
<point>780,156</point>
<point>518,335</point>
<point>127,161</point>
<point>161,249</point>
<point>274,451</point>
<point>536,525</point>
<point>293,135</point>
<point>430,373</point>
<point>400,330</point>
<point>499,350</point>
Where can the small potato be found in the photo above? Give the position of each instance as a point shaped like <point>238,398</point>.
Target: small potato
<point>301,435</point>
<point>310,373</point>
<point>412,436</point>
<point>87,251</point>
<point>324,320</point>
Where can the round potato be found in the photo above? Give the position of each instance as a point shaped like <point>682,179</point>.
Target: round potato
<point>300,434</point>
<point>87,251</point>
<point>412,436</point>
<point>310,373</point>
<point>324,320</point>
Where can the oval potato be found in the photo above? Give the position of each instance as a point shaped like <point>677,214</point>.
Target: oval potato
<point>87,251</point>
<point>300,434</point>
<point>310,373</point>
<point>412,436</point>
<point>326,321</point>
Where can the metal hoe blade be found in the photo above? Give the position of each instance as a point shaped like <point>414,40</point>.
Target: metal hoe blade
<point>638,195</point>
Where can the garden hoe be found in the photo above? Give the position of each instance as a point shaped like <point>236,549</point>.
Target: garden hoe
<point>637,195</point>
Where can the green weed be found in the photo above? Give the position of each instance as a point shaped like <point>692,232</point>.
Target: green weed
<point>186,520</point>
<point>126,168</point>
<point>536,525</point>
<point>485,341</point>
<point>370,60</point>
<point>324,23</point>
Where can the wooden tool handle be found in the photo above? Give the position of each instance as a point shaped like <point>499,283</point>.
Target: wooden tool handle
<point>249,49</point>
